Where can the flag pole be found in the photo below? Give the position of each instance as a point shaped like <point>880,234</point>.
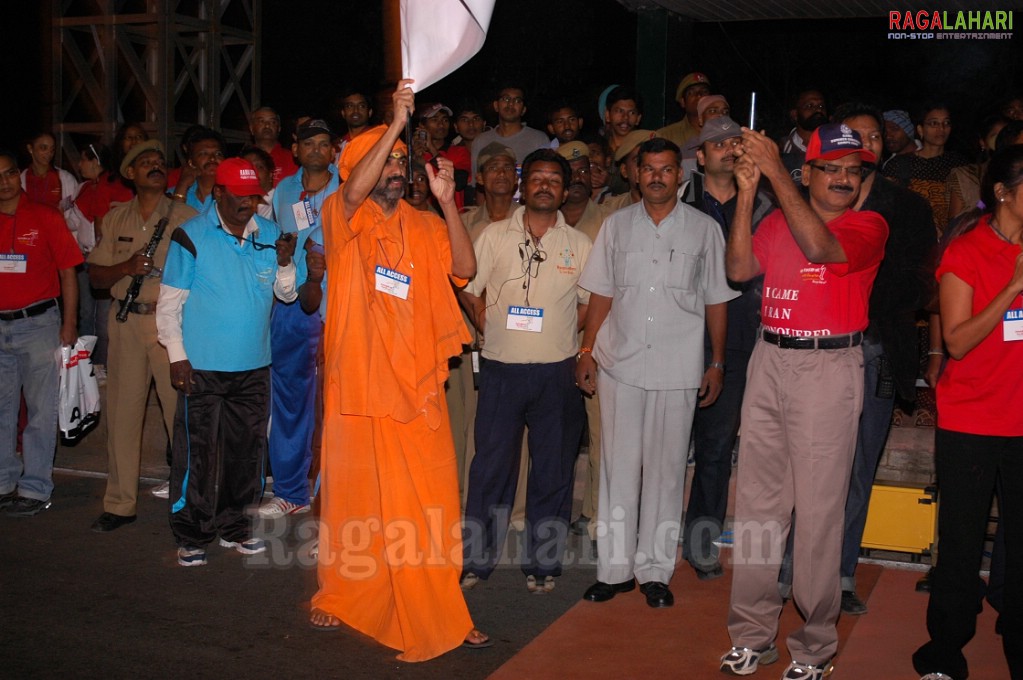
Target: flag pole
<point>408,144</point>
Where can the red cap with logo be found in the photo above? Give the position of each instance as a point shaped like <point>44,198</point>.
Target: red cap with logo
<point>836,140</point>
<point>238,176</point>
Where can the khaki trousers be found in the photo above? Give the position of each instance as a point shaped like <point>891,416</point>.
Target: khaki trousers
<point>800,415</point>
<point>134,359</point>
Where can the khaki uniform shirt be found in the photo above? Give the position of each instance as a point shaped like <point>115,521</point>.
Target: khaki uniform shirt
<point>125,233</point>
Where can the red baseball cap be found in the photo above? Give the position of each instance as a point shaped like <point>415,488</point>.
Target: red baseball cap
<point>836,140</point>
<point>238,176</point>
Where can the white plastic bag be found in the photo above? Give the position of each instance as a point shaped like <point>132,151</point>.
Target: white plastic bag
<point>79,392</point>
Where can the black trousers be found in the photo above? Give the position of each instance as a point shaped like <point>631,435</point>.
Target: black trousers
<point>967,467</point>
<point>714,430</point>
<point>218,452</point>
<point>545,398</point>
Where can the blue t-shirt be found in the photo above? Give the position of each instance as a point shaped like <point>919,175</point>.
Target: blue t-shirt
<point>192,198</point>
<point>226,318</point>
<point>302,269</point>
<point>288,195</point>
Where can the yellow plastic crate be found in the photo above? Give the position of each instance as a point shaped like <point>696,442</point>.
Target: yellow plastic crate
<point>901,518</point>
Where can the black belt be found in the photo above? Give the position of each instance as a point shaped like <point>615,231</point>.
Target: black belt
<point>142,308</point>
<point>32,310</point>
<point>815,342</point>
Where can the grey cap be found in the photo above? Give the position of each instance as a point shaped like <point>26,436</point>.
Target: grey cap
<point>719,129</point>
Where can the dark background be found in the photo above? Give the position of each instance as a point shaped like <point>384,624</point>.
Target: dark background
<point>576,48</point>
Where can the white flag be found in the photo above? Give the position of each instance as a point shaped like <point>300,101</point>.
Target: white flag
<point>438,36</point>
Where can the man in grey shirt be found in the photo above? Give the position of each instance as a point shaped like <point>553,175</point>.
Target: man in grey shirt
<point>656,277</point>
<point>511,131</point>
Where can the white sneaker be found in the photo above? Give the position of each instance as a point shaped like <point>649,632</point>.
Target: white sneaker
<point>251,546</point>
<point>279,507</point>
<point>745,661</point>
<point>191,557</point>
<point>161,490</point>
<point>805,671</point>
<point>469,581</point>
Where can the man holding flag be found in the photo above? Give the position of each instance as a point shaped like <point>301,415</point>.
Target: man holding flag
<point>390,548</point>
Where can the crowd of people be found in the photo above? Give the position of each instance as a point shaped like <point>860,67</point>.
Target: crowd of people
<point>432,332</point>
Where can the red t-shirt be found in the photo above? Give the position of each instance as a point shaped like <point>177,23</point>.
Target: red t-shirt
<point>45,190</point>
<point>284,163</point>
<point>95,197</point>
<point>41,236</point>
<point>982,392</point>
<point>173,176</point>
<point>802,298</point>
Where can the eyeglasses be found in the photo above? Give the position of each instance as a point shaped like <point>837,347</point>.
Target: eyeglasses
<point>511,100</point>
<point>832,169</point>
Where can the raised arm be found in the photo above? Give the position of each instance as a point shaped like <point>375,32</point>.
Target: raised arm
<point>808,229</point>
<point>366,173</point>
<point>442,185</point>
<point>740,262</point>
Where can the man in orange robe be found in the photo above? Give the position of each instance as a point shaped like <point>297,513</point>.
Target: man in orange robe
<point>390,537</point>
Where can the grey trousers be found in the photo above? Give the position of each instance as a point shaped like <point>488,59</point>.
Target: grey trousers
<point>643,446</point>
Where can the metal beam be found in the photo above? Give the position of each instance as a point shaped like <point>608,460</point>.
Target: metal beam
<point>160,62</point>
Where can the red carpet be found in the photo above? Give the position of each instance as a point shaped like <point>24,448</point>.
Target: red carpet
<point>884,640</point>
<point>624,638</point>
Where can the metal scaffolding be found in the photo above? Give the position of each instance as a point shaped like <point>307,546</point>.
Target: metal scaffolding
<point>164,63</point>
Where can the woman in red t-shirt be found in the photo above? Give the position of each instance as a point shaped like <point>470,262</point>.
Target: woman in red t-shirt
<point>979,440</point>
<point>43,183</point>
<point>100,188</point>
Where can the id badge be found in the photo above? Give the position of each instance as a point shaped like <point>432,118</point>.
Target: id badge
<point>392,282</point>
<point>13,263</point>
<point>1012,325</point>
<point>529,319</point>
<point>303,214</point>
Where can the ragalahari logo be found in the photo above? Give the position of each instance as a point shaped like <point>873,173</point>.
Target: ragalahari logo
<point>944,25</point>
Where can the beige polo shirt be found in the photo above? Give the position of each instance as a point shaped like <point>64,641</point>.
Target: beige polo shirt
<point>506,272</point>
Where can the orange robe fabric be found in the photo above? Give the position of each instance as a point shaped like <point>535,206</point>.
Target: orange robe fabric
<point>390,525</point>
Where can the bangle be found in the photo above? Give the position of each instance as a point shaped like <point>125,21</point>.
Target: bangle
<point>718,365</point>
<point>939,352</point>
<point>582,351</point>
<point>180,196</point>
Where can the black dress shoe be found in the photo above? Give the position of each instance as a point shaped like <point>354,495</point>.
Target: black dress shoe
<point>108,521</point>
<point>923,585</point>
<point>657,594</point>
<point>715,571</point>
<point>852,604</point>
<point>602,592</point>
<point>579,526</point>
